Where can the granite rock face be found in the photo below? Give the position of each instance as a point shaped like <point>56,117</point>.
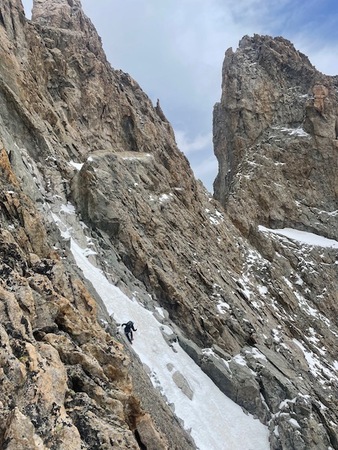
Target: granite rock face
<point>65,379</point>
<point>262,308</point>
<point>275,136</point>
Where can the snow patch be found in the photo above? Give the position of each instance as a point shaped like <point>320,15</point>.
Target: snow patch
<point>302,237</point>
<point>293,131</point>
<point>239,360</point>
<point>215,217</point>
<point>316,366</point>
<point>77,166</point>
<point>136,156</point>
<point>223,307</point>
<point>165,198</point>
<point>256,353</point>
<point>214,420</point>
<point>263,290</point>
<point>68,209</point>
<point>294,424</point>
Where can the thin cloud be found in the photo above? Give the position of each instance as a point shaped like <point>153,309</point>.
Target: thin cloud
<point>206,171</point>
<point>325,60</point>
<point>207,166</point>
<point>192,145</point>
<point>321,52</point>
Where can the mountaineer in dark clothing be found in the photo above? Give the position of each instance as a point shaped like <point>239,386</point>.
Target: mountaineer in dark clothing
<point>128,330</point>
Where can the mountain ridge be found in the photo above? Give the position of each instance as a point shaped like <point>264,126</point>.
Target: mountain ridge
<point>76,132</point>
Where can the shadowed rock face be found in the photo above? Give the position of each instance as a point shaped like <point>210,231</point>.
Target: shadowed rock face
<point>248,307</point>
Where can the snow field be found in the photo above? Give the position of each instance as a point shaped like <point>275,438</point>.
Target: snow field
<point>214,421</point>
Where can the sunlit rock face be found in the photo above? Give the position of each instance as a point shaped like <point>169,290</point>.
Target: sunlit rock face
<point>255,310</point>
<point>275,136</point>
<point>66,380</point>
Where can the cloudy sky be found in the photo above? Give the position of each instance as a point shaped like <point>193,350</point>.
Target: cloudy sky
<point>174,49</point>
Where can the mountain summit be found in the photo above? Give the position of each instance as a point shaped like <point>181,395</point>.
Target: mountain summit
<point>103,222</point>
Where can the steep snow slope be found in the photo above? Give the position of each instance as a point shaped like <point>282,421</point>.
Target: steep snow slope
<point>215,422</point>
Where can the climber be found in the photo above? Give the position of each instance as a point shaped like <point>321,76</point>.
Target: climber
<point>128,330</point>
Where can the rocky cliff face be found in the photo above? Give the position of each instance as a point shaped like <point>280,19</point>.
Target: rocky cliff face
<point>277,123</point>
<point>65,380</point>
<point>74,131</point>
<point>275,136</point>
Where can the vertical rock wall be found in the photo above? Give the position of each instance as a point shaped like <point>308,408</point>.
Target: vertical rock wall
<point>275,138</point>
